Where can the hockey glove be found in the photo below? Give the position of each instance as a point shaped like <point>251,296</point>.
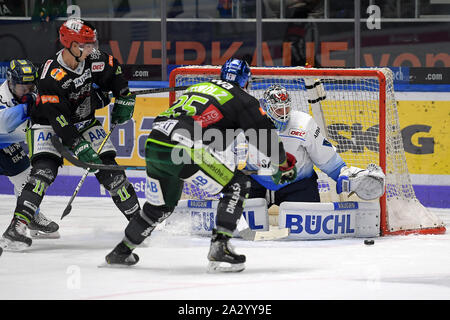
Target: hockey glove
<point>287,173</point>
<point>367,184</point>
<point>99,98</point>
<point>123,109</point>
<point>83,151</point>
<point>31,100</point>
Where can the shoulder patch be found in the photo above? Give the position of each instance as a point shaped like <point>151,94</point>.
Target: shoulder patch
<point>57,74</point>
<point>45,69</point>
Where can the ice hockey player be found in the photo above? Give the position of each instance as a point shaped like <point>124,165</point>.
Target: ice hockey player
<point>17,98</point>
<point>66,91</point>
<point>303,139</point>
<point>218,105</point>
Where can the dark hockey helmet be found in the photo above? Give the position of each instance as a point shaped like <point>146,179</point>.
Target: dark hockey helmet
<point>277,104</point>
<point>235,70</point>
<point>22,77</point>
<point>77,30</point>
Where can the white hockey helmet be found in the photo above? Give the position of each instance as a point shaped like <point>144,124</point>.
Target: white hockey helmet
<point>277,104</point>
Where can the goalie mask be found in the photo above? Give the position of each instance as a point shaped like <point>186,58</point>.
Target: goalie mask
<point>277,104</point>
<point>22,77</point>
<point>235,70</point>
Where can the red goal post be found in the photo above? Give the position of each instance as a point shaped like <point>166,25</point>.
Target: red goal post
<point>357,110</point>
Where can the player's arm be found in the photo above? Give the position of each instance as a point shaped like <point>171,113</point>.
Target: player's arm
<point>253,119</point>
<point>368,183</point>
<point>107,74</point>
<point>268,142</point>
<point>12,117</point>
<point>55,106</point>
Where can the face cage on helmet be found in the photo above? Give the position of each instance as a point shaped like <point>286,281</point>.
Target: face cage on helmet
<point>280,122</point>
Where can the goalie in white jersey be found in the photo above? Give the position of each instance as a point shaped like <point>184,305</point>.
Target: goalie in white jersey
<point>17,97</point>
<point>304,141</point>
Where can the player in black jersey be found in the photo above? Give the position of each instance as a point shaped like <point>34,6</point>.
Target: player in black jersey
<point>67,109</point>
<point>178,150</point>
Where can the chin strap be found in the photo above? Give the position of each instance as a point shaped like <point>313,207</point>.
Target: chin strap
<point>76,58</point>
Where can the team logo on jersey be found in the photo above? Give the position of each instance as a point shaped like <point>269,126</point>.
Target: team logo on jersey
<point>296,132</point>
<point>98,66</point>
<point>58,74</point>
<point>209,116</point>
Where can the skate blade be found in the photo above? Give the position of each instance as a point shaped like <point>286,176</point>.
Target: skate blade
<point>13,246</point>
<point>35,234</point>
<point>114,266</point>
<point>220,266</point>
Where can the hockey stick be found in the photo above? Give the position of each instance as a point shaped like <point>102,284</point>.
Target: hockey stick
<point>78,163</point>
<point>158,90</point>
<point>77,189</point>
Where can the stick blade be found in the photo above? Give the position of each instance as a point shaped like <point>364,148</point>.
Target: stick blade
<point>273,234</point>
<point>66,211</point>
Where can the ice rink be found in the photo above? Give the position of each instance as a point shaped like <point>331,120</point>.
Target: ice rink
<point>173,265</point>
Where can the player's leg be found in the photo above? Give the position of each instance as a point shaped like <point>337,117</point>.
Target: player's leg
<point>256,190</point>
<point>116,182</point>
<point>305,190</point>
<point>17,167</point>
<point>221,254</point>
<point>163,190</point>
<point>15,164</point>
<point>43,172</point>
<point>212,174</point>
<point>119,187</point>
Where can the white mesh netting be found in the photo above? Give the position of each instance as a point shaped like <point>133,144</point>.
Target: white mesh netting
<point>352,116</point>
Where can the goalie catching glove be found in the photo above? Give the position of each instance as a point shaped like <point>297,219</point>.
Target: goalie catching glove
<point>286,173</point>
<point>367,184</point>
<point>123,109</point>
<point>84,151</point>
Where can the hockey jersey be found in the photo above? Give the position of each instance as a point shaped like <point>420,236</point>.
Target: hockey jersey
<point>13,118</point>
<point>218,109</point>
<point>66,94</point>
<point>303,139</point>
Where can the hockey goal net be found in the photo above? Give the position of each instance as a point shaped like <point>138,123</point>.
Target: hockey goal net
<point>357,111</point>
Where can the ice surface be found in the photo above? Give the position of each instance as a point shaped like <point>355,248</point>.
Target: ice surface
<point>173,265</point>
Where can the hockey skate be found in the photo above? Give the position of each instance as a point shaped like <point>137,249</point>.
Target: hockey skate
<point>15,237</point>
<point>222,257</point>
<point>43,228</point>
<point>121,256</point>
